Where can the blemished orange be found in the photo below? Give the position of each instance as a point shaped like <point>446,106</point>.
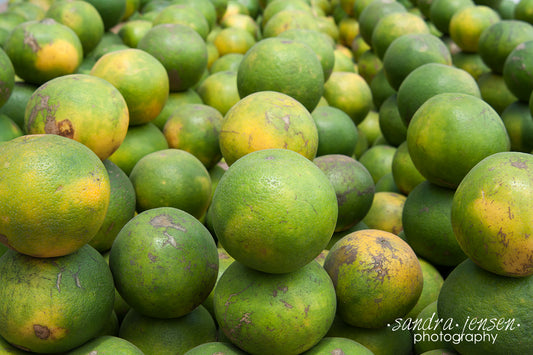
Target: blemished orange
<point>270,226</point>
<point>386,265</point>
<point>82,107</point>
<point>82,17</point>
<point>171,178</point>
<point>441,129</point>
<point>139,77</point>
<point>54,195</point>
<point>195,128</point>
<point>52,305</point>
<point>283,65</point>
<point>177,245</point>
<point>442,11</point>
<point>288,125</point>
<point>467,24</point>
<point>385,212</point>
<point>498,188</point>
<point>56,50</point>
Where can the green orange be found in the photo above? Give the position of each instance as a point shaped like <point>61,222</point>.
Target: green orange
<point>373,13</point>
<point>107,344</point>
<point>386,266</point>
<point>175,100</point>
<point>392,127</point>
<point>55,304</point>
<point>110,11</point>
<point>519,124</point>
<point>433,281</point>
<point>442,11</point>
<point>9,129</point>
<point>139,77</point>
<point>7,78</point>
<point>54,50</point>
<point>385,212</point>
<point>54,195</point>
<point>288,125</point>
<point>82,107</point>
<point>494,91</point>
<point>265,313</point>
<point>467,24</point>
<point>219,90</point>
<point>517,70</point>
<point>265,210</point>
<point>337,134</point>
<point>441,129</point>
<point>183,14</point>
<point>378,160</point>
<point>490,214</point>
<point>289,19</point>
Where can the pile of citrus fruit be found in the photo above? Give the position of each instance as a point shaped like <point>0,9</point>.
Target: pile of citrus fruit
<point>266,177</point>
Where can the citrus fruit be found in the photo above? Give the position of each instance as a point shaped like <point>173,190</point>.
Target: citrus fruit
<point>9,19</point>
<point>337,134</point>
<point>170,241</point>
<point>105,345</point>
<point>506,9</point>
<point>219,90</point>
<point>267,119</point>
<point>205,7</point>
<point>228,62</point>
<point>392,26</point>
<point>54,194</point>
<point>358,47</point>
<point>224,260</point>
<point>337,344</point>
<point>175,100</point>
<point>52,305</point>
<point>467,24</point>
<point>181,50</point>
<point>433,281</point>
<point>369,127</point>
<point>283,65</point>
<point>15,106</point>
<point>242,21</point>
<point>121,207</point>
<point>388,268</point>
<point>110,11</point>
<point>319,42</point>
<point>485,304</point>
<point>406,176</point>
<point>494,91</point>
<point>429,80</point>
<point>490,214</point>
<point>132,31</point>
<point>441,129</point>
<point>391,125</point>
<point>54,50</point>
<point>422,336</point>
<point>385,212</point>
<point>140,140</point>
<point>428,227</point>
<point>442,11</point>
<point>9,129</point>
<point>379,340</point>
<point>353,186</point>
<point>348,30</point>
<point>82,17</point>
<point>373,13</point>
<point>350,93</point>
<point>273,7</point>
<point>380,88</point>
<point>387,184</point>
<point>195,128</point>
<point>31,11</point>
<point>141,79</point>
<point>215,347</point>
<point>517,70</point>
<point>272,225</point>
<point>82,107</point>
<point>343,61</point>
<point>233,40</point>
<point>171,178</point>
<point>519,124</point>
<point>7,78</point>
<point>262,313</point>
<point>470,62</point>
<point>499,39</point>
<point>523,11</point>
<point>289,19</point>
<point>378,160</point>
<point>414,50</point>
<point>168,336</point>
<point>183,14</point>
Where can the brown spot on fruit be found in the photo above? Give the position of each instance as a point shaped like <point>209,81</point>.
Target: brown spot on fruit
<point>164,220</point>
<point>62,128</point>
<point>41,331</point>
<point>30,41</point>
<point>519,164</point>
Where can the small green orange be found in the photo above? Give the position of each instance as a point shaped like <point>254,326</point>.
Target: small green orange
<point>54,194</point>
<point>219,90</point>
<point>337,134</point>
<point>378,160</point>
<point>405,174</point>
<point>265,210</point>
<point>175,100</point>
<point>494,91</point>
<point>107,344</point>
<point>183,14</point>
<point>391,125</point>
<point>519,124</point>
<point>9,129</point>
<point>385,212</point>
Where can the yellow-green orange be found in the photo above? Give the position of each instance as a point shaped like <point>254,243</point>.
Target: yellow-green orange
<point>82,17</point>
<point>141,79</point>
<point>183,14</point>
<point>494,91</point>
<point>289,19</point>
<point>171,178</point>
<point>337,134</point>
<point>433,281</point>
<point>195,128</point>
<point>335,344</point>
<point>442,11</point>
<point>428,227</point>
<point>386,266</point>
<point>170,242</point>
<point>283,65</point>
<point>219,90</point>
<point>385,212</point>
<point>55,50</point>
<point>267,119</point>
<point>405,174</point>
<point>132,31</point>
<point>373,13</point>
<point>81,107</point>
<point>491,212</point>
<point>266,209</point>
<point>53,305</point>
<point>216,347</point>
<point>378,160</point>
<point>107,345</point>
<point>470,294</point>
<point>441,129</point>
<point>9,129</point>
<point>54,194</point>
<point>353,186</point>
<point>175,100</point>
<point>233,40</point>
<point>266,314</point>
<point>7,77</point>
<point>467,24</point>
